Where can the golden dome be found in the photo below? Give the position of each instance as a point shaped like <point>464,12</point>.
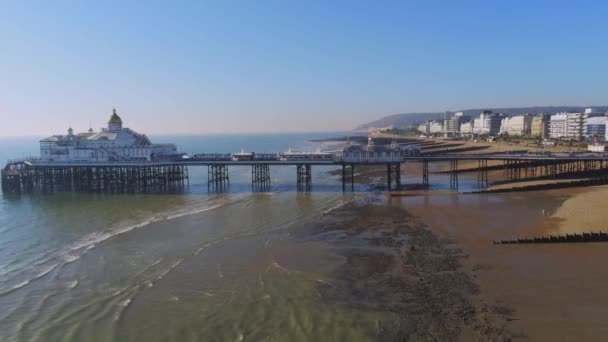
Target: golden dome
<point>115,118</point>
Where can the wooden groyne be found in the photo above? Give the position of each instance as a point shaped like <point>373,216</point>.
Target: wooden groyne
<point>567,238</point>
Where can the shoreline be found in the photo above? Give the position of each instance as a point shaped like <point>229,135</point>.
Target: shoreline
<point>551,291</point>
<point>528,292</point>
<point>393,262</point>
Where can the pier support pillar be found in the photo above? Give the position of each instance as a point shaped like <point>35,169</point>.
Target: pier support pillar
<point>109,179</point>
<point>482,174</point>
<point>346,174</point>
<point>425,173</point>
<point>352,177</point>
<point>304,177</point>
<point>218,178</point>
<point>389,180</point>
<point>260,177</point>
<point>398,175</point>
<point>343,177</point>
<point>393,172</point>
<point>454,174</point>
<point>11,182</point>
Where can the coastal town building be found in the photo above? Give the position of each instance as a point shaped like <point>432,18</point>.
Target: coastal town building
<point>424,128</point>
<point>518,125</point>
<point>595,127</point>
<point>566,125</point>
<point>452,125</point>
<point>466,128</point>
<point>539,127</point>
<point>113,143</point>
<point>481,125</point>
<point>563,125</point>
<point>487,123</point>
<point>504,126</point>
<point>431,127</point>
<point>594,124</point>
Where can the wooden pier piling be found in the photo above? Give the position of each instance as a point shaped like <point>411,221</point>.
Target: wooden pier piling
<point>454,174</point>
<point>304,177</point>
<point>109,179</point>
<point>218,177</point>
<point>260,177</point>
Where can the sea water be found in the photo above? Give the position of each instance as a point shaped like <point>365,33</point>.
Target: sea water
<point>189,266</point>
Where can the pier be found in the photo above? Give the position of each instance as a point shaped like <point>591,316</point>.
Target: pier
<point>114,178</point>
<point>168,176</point>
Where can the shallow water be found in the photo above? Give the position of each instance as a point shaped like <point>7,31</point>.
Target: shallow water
<point>189,266</point>
<point>198,266</point>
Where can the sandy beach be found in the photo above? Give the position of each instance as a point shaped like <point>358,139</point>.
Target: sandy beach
<point>526,292</point>
<point>551,292</point>
<point>584,211</point>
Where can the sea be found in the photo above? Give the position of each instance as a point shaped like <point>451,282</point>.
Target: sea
<point>196,265</point>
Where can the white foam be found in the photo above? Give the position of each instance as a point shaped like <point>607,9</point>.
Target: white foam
<point>91,240</point>
<point>26,282</point>
<point>202,248</point>
<point>14,288</point>
<point>122,305</point>
<point>150,283</point>
<point>338,206</point>
<point>193,212</point>
<point>125,303</point>
<point>46,271</point>
<point>82,246</point>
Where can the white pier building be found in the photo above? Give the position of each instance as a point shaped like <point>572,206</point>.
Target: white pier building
<point>113,143</point>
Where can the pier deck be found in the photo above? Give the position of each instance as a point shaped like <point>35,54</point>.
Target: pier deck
<point>142,176</point>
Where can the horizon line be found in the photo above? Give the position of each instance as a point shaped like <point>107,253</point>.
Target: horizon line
<point>199,133</point>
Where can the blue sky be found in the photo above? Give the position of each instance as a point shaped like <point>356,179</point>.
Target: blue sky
<point>252,66</point>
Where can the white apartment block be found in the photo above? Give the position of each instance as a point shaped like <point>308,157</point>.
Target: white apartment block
<point>566,125</point>
<point>518,125</point>
<point>466,128</point>
<point>435,127</point>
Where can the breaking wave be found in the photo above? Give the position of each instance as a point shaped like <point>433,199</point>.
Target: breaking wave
<point>82,246</point>
<point>26,282</point>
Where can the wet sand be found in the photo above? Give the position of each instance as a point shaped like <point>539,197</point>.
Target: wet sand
<point>549,292</point>
<point>393,262</point>
<point>553,292</point>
